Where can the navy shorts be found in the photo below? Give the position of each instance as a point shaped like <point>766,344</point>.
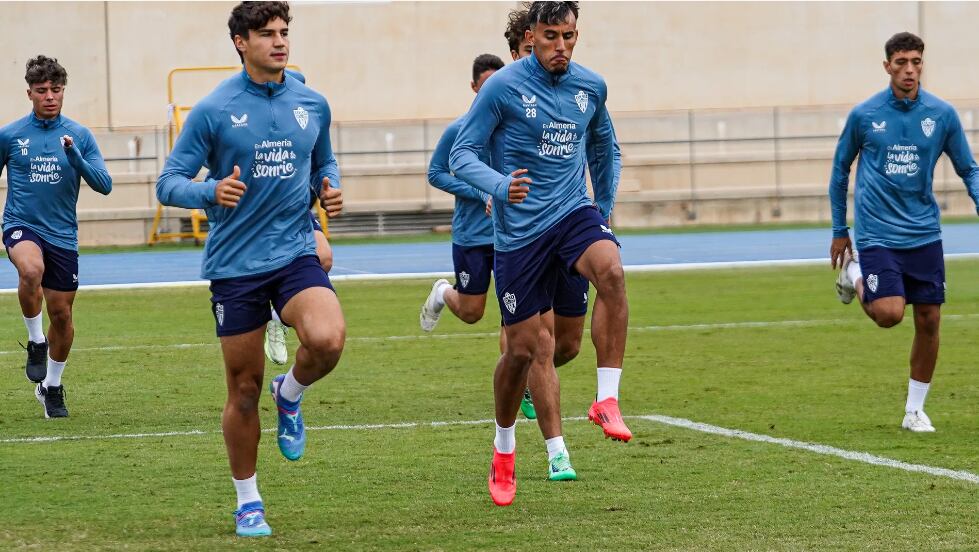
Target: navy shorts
<point>526,278</point>
<point>316,222</point>
<point>241,305</point>
<point>473,266</point>
<point>916,274</point>
<point>60,264</point>
<point>570,295</point>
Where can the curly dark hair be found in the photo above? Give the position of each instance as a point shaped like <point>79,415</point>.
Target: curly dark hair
<point>903,42</point>
<point>251,16</point>
<point>43,69</point>
<point>551,13</point>
<point>517,25</point>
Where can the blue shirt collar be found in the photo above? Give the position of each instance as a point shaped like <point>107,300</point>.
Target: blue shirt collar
<point>903,104</point>
<point>267,89</point>
<point>45,123</point>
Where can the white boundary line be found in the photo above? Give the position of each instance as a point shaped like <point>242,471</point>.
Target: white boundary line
<point>864,457</point>
<point>855,456</point>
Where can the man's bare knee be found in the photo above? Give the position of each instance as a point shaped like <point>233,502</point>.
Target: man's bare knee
<point>888,319</point>
<point>60,315</point>
<point>566,350</point>
<point>244,396</point>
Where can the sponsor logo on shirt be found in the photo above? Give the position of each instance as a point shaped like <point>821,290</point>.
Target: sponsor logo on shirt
<point>510,302</point>
<point>274,159</point>
<point>582,100</point>
<point>45,170</point>
<point>239,122</point>
<point>302,117</point>
<point>22,144</point>
<point>928,127</point>
<point>879,127</point>
<point>558,140</point>
<point>902,159</point>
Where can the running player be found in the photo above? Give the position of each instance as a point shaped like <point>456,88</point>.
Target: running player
<point>47,154</point>
<point>261,247</point>
<point>537,115</point>
<point>899,134</point>
<point>472,230</point>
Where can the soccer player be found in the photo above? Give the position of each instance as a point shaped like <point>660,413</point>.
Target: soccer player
<point>47,154</point>
<point>899,134</point>
<point>536,117</point>
<point>261,247</point>
<point>565,322</point>
<point>472,230</point>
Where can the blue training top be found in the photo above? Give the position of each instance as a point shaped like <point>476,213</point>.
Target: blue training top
<point>279,136</point>
<point>470,225</point>
<point>43,177</point>
<point>532,119</point>
<point>899,142</point>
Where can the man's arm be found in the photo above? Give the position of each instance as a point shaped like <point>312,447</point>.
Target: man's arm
<point>958,151</point>
<point>442,178</point>
<point>176,186</point>
<point>604,195</point>
<point>87,160</point>
<point>324,162</point>
<point>839,182</point>
<point>485,114</point>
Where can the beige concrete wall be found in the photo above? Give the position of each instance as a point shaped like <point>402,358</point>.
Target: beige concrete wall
<point>398,60</point>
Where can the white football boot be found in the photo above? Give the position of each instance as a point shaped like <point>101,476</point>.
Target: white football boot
<point>917,422</point>
<point>845,289</point>
<point>275,342</point>
<point>431,311</point>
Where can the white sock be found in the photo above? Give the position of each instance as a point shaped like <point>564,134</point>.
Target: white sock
<point>290,389</point>
<point>247,490</point>
<point>555,446</point>
<point>440,295</point>
<point>853,272</point>
<point>55,369</point>
<point>917,391</point>
<point>275,316</point>
<point>35,328</point>
<point>608,383</point>
<point>506,439</point>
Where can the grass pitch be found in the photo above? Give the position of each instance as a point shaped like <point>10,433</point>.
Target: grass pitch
<point>147,362</point>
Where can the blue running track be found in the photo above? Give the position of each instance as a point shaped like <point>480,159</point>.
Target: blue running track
<point>425,258</point>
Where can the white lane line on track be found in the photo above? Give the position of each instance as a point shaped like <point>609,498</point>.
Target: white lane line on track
<point>422,337</point>
<point>855,456</point>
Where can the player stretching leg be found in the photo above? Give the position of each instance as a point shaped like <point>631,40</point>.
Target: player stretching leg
<point>261,247</point>
<point>566,321</point>
<point>899,134</point>
<point>550,222</point>
<point>46,155</point>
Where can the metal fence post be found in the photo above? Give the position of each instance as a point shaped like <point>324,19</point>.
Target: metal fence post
<point>692,210</point>
<point>777,209</point>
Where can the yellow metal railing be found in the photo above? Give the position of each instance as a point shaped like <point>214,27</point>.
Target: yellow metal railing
<point>177,116</point>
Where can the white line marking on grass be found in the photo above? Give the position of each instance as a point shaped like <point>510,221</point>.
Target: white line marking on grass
<point>421,337</point>
<point>864,457</point>
<point>683,423</point>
